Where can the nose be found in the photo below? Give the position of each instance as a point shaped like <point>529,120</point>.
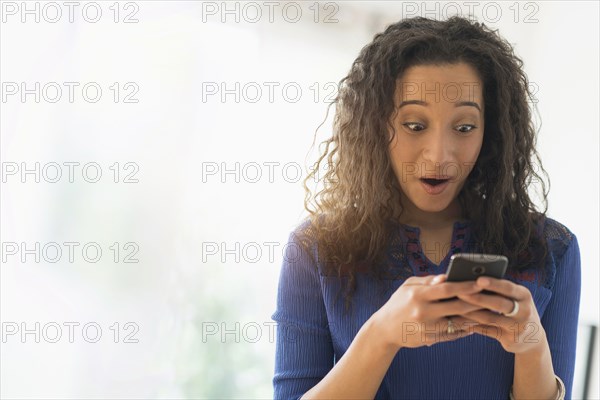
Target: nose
<point>437,149</point>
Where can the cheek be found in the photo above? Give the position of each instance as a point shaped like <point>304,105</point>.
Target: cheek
<point>401,149</point>
<point>400,157</point>
<point>476,148</point>
<point>404,168</point>
<point>469,155</point>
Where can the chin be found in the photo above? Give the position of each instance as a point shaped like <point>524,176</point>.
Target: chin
<point>433,207</point>
<point>432,204</point>
<point>428,203</point>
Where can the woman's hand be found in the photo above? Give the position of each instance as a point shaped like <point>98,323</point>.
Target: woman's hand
<point>414,316</point>
<point>519,333</point>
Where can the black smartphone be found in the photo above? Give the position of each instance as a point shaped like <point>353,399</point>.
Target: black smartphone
<point>470,266</point>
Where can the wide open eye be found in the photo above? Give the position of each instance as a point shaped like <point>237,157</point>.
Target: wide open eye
<point>471,128</point>
<point>410,126</point>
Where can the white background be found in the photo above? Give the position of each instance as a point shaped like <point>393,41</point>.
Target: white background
<point>202,320</point>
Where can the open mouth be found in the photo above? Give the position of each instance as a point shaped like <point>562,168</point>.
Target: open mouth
<point>434,182</point>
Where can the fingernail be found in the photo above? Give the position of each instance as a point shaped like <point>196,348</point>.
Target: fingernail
<point>484,281</point>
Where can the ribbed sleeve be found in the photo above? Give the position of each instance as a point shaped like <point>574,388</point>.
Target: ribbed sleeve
<point>304,352</point>
<point>561,316</point>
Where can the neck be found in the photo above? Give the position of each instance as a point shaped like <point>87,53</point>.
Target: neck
<point>412,215</point>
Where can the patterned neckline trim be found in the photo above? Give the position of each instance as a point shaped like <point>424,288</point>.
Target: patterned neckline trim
<point>419,262</point>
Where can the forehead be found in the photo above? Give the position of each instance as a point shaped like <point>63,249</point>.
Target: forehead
<point>449,82</point>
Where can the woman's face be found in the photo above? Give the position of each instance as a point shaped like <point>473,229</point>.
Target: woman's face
<point>439,132</point>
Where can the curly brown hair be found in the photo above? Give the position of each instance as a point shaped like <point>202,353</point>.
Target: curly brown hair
<point>361,194</point>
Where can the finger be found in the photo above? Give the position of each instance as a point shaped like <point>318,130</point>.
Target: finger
<point>444,336</point>
<point>447,290</point>
<point>487,317</point>
<point>423,280</point>
<point>491,331</point>
<point>411,279</point>
<point>451,307</point>
<point>419,280</point>
<point>503,287</point>
<point>492,302</point>
<point>457,332</point>
<point>462,323</point>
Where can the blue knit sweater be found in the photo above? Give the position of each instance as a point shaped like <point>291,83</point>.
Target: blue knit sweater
<point>313,331</point>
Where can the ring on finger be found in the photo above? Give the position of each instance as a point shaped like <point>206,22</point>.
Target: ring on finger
<point>514,311</point>
<point>451,328</point>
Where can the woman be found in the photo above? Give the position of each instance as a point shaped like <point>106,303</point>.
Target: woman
<point>433,153</point>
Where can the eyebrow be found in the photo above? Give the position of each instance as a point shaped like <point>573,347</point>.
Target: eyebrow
<point>424,103</point>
